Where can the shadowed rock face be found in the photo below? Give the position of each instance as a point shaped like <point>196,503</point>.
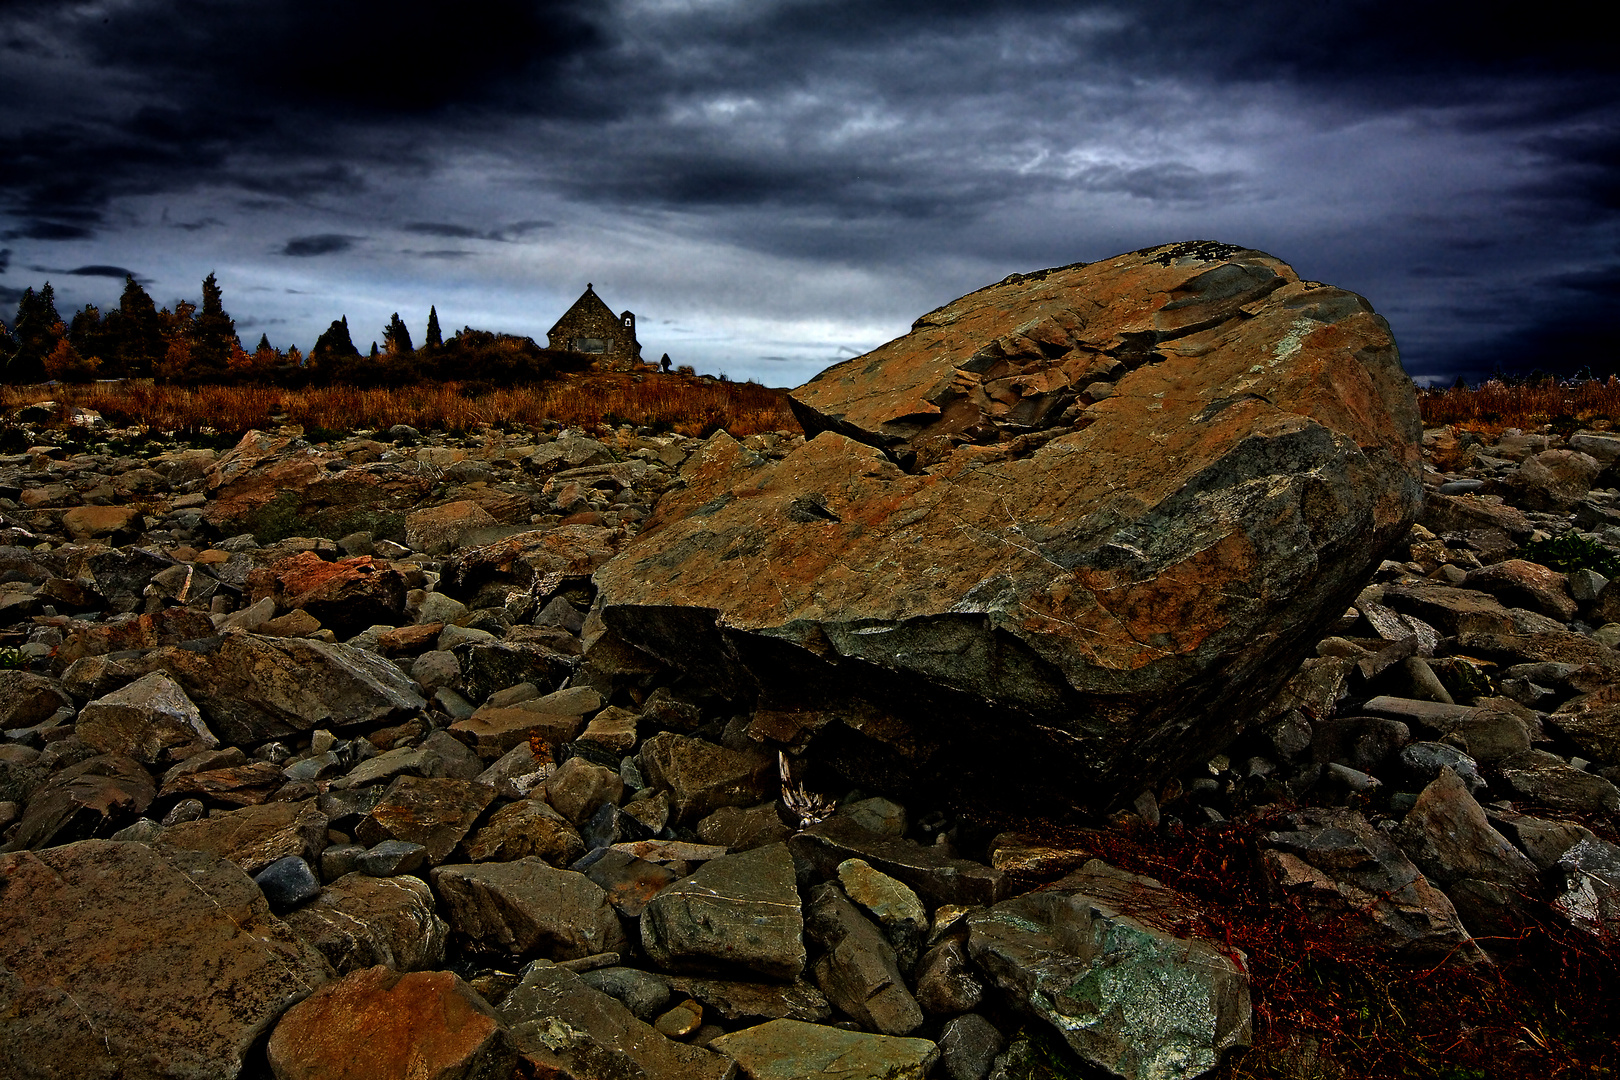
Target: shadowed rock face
<point>1085,519</point>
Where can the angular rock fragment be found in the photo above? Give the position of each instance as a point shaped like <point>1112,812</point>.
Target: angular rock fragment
<point>702,777</point>
<point>120,962</point>
<point>526,828</point>
<point>1086,957</point>
<point>793,1050</point>
<point>94,797</point>
<point>1447,835</point>
<point>739,911</point>
<point>360,921</point>
<point>147,720</point>
<point>568,1029</point>
<point>254,836</point>
<point>436,813</point>
<point>426,1025</point>
<point>978,563</point>
<point>857,968</point>
<point>251,689</point>
<point>526,907</point>
<point>1337,865</point>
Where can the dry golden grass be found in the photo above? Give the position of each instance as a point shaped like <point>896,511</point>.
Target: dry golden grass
<point>681,403</point>
<point>1494,405</point>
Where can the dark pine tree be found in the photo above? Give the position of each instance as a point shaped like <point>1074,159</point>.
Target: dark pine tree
<point>434,338</point>
<point>137,333</point>
<point>334,355</point>
<point>36,333</point>
<point>92,338</point>
<point>8,344</point>
<point>215,336</point>
<point>397,338</point>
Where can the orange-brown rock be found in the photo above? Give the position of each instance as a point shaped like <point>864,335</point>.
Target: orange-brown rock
<point>1081,522</point>
<point>346,596</point>
<point>378,1024</point>
<point>87,522</point>
<point>275,487</point>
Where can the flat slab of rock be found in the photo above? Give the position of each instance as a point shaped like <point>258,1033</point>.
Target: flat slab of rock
<point>1083,523</point>
<point>121,961</point>
<point>569,1029</point>
<point>739,911</point>
<point>1085,956</point>
<point>377,1023</point>
<point>793,1050</point>
<point>525,907</point>
<point>736,999</point>
<point>254,836</point>
<point>437,813</point>
<point>251,689</point>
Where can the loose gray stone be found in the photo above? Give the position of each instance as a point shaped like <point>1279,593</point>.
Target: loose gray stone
<point>968,1046</point>
<point>287,882</point>
<point>857,970</point>
<point>735,911</point>
<point>391,858</point>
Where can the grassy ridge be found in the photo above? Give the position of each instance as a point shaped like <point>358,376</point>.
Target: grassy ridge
<point>682,403</point>
<point>1493,405</point>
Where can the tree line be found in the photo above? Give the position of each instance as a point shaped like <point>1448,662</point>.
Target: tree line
<point>193,344</point>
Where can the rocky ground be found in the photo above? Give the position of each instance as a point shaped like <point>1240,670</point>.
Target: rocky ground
<point>308,771</point>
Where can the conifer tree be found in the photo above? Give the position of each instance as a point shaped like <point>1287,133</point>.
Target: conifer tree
<point>434,337</point>
<point>215,336</point>
<point>91,338</point>
<point>137,332</point>
<point>36,334</point>
<point>264,344</point>
<point>334,354</point>
<point>397,337</point>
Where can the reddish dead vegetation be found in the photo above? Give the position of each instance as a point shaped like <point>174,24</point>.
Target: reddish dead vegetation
<point>1326,1006</point>
<point>1530,406</point>
<point>681,403</point>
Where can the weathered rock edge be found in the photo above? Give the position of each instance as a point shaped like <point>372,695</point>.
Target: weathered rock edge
<point>1128,580</point>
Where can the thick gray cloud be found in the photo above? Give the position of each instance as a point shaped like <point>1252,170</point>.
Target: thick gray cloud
<point>774,184</point>
<point>323,244</point>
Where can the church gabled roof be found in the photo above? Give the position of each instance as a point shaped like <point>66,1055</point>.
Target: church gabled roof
<point>587,304</point>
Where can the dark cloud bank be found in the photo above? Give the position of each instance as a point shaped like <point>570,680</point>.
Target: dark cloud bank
<point>856,162</point>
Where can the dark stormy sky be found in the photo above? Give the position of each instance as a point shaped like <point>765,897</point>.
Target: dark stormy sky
<point>773,185</point>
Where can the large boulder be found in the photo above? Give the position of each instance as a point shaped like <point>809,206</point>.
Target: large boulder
<point>119,960</point>
<point>1085,520</point>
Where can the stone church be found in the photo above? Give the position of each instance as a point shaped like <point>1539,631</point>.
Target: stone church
<point>590,327</point>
